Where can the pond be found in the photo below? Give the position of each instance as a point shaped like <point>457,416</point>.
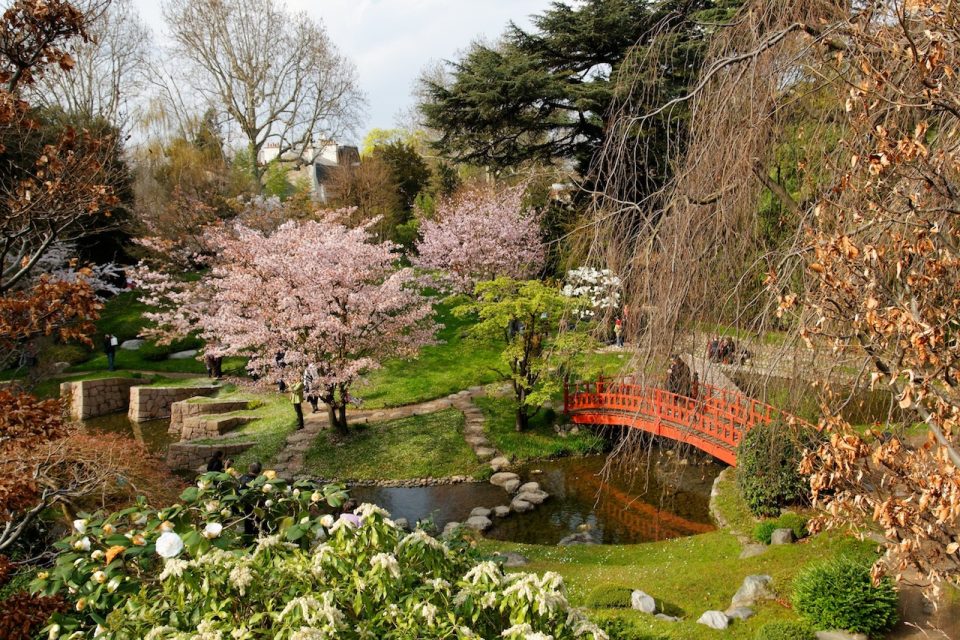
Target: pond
<point>153,434</point>
<point>667,500</point>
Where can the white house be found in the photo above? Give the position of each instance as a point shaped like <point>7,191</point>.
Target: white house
<point>317,163</point>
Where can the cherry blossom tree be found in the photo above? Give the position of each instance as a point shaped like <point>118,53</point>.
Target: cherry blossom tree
<point>482,235</point>
<point>316,292</point>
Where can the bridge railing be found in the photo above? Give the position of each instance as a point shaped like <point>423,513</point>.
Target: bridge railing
<point>719,414</point>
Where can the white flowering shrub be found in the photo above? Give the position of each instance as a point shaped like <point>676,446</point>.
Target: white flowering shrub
<point>599,288</point>
<point>190,572</point>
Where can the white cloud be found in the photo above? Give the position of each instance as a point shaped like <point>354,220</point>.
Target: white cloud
<point>390,41</point>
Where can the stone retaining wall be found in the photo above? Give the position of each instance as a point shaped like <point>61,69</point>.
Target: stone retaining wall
<point>92,398</point>
<point>188,410</point>
<point>185,456</point>
<point>153,403</point>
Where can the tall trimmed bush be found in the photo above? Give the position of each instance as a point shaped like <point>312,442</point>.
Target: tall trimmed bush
<point>840,595</point>
<point>768,461</point>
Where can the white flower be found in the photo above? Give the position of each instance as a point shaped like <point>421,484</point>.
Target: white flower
<point>169,545</point>
<point>54,632</point>
<point>241,577</point>
<point>173,567</point>
<point>99,577</point>
<point>80,526</point>
<point>226,513</point>
<point>429,613</point>
<point>212,530</point>
<point>366,509</point>
<point>203,484</point>
<point>423,538</point>
<point>159,632</point>
<point>212,505</point>
<point>83,544</point>
<point>96,555</point>
<point>342,523</point>
<point>387,563</point>
<point>99,631</point>
<point>316,496</point>
<point>267,488</point>
<point>113,585</point>
<point>517,630</point>
<point>296,493</point>
<point>141,520</point>
<point>327,520</point>
<point>268,503</point>
<point>109,529</point>
<point>438,584</point>
<point>484,572</point>
<point>166,525</point>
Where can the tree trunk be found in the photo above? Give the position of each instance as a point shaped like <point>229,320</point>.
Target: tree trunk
<point>523,419</point>
<point>337,413</point>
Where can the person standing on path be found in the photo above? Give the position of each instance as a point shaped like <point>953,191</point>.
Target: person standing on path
<point>618,332</point>
<point>310,376</point>
<point>296,399</point>
<point>110,348</point>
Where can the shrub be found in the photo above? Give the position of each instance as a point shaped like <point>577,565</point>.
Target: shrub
<point>190,570</point>
<point>785,631</point>
<point>840,595</point>
<point>767,467</point>
<point>764,531</point>
<point>609,596</point>
<point>793,521</point>
<point>621,629</point>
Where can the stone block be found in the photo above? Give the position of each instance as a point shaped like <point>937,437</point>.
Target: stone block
<point>520,506</point>
<point>501,478</point>
<point>640,601</point>
<point>478,523</point>
<point>781,536</point>
<point>501,511</point>
<point>757,587</point>
<point>714,619</point>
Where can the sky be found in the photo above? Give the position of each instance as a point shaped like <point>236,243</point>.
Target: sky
<point>390,41</point>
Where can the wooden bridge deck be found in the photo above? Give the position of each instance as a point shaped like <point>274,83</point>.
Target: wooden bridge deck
<point>713,422</point>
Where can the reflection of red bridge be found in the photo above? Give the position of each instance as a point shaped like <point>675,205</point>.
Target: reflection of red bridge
<point>714,422</point>
<point>636,515</point>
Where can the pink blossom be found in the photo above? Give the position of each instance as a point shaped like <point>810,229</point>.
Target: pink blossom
<point>480,236</point>
<point>317,291</point>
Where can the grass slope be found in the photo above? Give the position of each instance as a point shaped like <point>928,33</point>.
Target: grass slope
<point>539,441</point>
<point>422,446</point>
<point>456,363</point>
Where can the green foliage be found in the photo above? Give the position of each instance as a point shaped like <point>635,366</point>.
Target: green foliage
<point>785,631</point>
<point>411,175</point>
<point>609,596</point>
<point>539,440</point>
<point>528,317</point>
<point>840,595</point>
<point>72,353</point>
<point>768,461</point>
<point>621,629</point>
<point>793,521</point>
<point>191,569</point>
<point>430,445</point>
<point>455,363</point>
<point>763,532</point>
<point>275,181</point>
<point>542,95</point>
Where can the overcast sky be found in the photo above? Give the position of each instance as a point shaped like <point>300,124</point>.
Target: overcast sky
<point>390,41</point>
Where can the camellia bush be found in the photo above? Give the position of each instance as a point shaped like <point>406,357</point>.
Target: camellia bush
<point>191,571</point>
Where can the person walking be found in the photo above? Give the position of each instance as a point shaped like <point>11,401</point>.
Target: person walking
<point>296,399</point>
<point>110,348</point>
<point>310,383</point>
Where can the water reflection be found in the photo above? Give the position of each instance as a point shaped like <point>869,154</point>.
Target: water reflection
<point>671,500</point>
<point>152,434</point>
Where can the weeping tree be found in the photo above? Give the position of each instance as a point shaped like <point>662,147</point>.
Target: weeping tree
<point>816,194</point>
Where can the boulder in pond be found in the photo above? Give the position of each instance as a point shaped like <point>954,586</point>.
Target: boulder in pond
<point>478,523</point>
<point>533,497</point>
<point>520,506</point>
<point>499,463</point>
<point>483,512</point>
<point>714,619</point>
<point>640,601</point>
<point>449,528</point>
<point>501,478</point>
<point>511,486</point>
<point>501,511</point>
<point>529,486</point>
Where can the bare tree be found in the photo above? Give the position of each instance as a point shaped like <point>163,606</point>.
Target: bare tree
<point>109,71</point>
<point>274,75</point>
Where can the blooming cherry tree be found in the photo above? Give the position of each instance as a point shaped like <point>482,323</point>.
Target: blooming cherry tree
<point>482,235</point>
<point>316,292</point>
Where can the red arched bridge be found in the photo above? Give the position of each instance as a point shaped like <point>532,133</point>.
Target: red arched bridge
<point>714,421</point>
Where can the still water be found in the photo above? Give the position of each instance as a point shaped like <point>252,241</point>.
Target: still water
<point>153,434</point>
<point>664,500</point>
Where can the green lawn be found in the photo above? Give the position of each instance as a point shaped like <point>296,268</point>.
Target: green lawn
<point>687,576</point>
<point>455,364</point>
<point>275,420</point>
<point>539,440</point>
<point>424,446</point>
